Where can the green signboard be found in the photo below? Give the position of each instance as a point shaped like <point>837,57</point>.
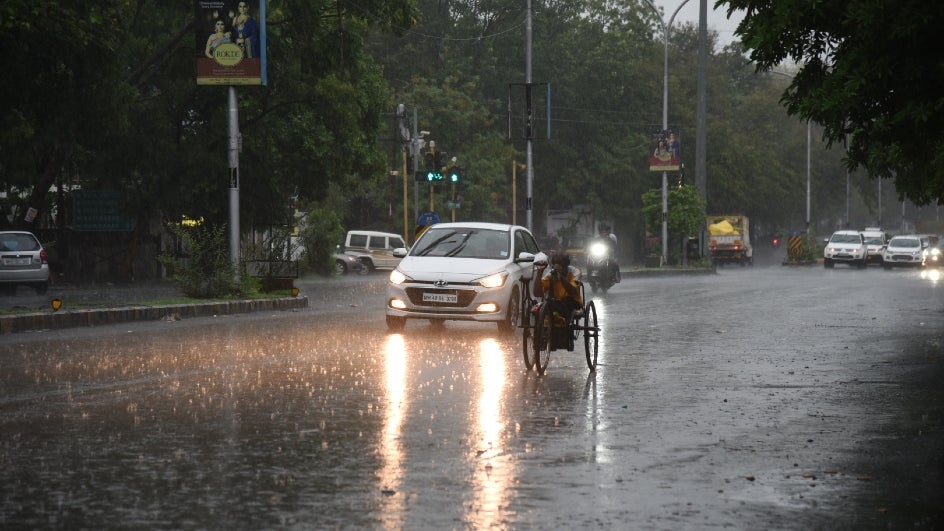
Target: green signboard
<point>102,211</point>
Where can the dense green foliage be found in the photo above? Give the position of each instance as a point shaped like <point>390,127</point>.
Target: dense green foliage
<point>686,214</point>
<point>206,270</point>
<point>102,94</point>
<point>869,73</point>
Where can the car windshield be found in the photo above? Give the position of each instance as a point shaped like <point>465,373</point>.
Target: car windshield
<point>463,243</point>
<point>845,238</point>
<point>905,242</point>
<point>874,240</point>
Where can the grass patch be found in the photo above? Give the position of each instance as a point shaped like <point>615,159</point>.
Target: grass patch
<point>68,305</point>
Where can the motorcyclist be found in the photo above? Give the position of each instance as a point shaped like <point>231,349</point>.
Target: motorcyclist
<point>606,236</point>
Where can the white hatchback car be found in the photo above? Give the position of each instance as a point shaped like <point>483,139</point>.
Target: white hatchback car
<point>464,272</point>
<point>845,246</point>
<point>905,250</point>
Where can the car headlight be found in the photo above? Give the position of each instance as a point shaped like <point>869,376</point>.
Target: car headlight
<point>935,252</point>
<point>396,277</point>
<point>494,281</point>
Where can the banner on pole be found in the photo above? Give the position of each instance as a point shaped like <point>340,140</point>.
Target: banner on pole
<point>230,42</point>
<point>665,151</point>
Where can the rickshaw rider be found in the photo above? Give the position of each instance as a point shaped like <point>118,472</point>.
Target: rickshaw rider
<point>565,280</point>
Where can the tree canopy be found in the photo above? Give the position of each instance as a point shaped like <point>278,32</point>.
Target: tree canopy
<point>102,95</point>
<point>868,72</point>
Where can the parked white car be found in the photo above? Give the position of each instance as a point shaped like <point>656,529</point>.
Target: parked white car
<point>23,261</point>
<point>904,250</point>
<point>845,246</point>
<point>465,272</point>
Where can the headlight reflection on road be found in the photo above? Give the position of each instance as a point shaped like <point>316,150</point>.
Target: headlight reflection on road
<point>493,471</point>
<point>391,473</point>
<point>593,393</point>
<point>934,275</point>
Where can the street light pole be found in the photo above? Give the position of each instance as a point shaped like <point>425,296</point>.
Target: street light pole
<point>665,121</point>
<point>808,160</point>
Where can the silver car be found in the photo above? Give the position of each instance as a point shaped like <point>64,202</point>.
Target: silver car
<point>465,272</point>
<point>23,262</point>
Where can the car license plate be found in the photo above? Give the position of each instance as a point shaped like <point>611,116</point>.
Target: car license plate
<point>16,261</point>
<point>440,297</point>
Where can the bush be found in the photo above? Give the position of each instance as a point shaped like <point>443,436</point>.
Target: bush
<point>320,235</point>
<point>207,271</point>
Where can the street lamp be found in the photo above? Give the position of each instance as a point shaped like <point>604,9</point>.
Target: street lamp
<point>808,135</point>
<point>665,120</point>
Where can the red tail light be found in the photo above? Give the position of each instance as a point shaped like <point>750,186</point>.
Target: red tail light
<point>42,256</point>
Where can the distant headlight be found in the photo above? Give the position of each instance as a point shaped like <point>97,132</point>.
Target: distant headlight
<point>935,252</point>
<point>494,281</point>
<point>396,277</point>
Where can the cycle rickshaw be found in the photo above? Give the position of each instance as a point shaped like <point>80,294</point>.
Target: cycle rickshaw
<point>549,325</point>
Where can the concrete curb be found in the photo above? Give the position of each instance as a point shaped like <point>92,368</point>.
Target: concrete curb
<point>76,318</point>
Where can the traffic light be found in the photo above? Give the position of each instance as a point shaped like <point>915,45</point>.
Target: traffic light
<point>431,161</point>
<point>455,174</point>
<point>440,159</point>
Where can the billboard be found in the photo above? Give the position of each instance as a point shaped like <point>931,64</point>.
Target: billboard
<point>230,42</point>
<point>665,151</point>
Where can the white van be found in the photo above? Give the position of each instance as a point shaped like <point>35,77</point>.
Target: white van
<point>373,249</point>
<point>875,239</point>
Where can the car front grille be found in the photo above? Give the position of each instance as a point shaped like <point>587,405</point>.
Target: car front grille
<point>464,297</point>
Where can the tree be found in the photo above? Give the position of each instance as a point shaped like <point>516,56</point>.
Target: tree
<point>686,213</point>
<point>867,75</point>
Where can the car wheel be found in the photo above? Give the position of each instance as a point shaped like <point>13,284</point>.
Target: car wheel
<point>366,266</point>
<point>513,314</point>
<point>827,263</point>
<point>41,288</point>
<point>395,323</point>
<point>340,268</point>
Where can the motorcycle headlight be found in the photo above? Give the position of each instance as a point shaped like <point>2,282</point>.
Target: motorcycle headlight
<point>597,250</point>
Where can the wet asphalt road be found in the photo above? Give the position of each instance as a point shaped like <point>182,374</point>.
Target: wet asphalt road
<point>757,398</point>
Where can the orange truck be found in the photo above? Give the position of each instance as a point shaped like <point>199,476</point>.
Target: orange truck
<point>729,240</point>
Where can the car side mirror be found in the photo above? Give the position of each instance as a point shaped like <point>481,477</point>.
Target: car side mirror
<point>399,252</point>
<point>524,258</point>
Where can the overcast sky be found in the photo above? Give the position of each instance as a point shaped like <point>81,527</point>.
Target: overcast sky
<point>717,21</point>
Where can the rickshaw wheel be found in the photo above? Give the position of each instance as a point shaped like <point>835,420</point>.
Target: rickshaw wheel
<point>591,335</point>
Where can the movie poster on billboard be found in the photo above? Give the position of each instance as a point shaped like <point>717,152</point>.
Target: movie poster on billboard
<point>230,42</point>
<point>665,151</point>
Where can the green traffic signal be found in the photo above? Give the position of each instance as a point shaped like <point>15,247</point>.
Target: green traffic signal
<point>434,176</point>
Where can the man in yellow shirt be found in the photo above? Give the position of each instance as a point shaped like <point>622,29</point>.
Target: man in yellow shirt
<point>562,280</point>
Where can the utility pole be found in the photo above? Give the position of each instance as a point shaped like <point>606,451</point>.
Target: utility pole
<point>233,180</point>
<point>529,161</point>
<point>665,123</point>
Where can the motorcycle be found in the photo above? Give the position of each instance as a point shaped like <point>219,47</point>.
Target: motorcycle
<point>602,271</point>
